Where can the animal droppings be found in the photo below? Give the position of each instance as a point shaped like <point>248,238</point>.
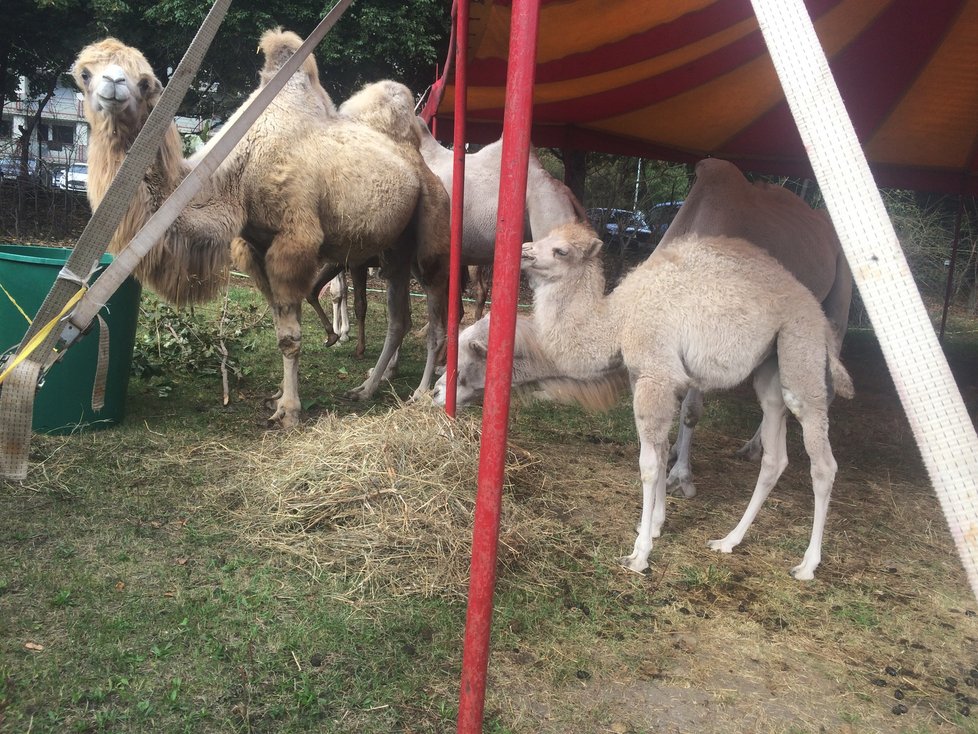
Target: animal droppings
<point>583,675</point>
<point>890,670</point>
<point>899,709</point>
<point>965,711</point>
<point>878,682</point>
<point>898,694</point>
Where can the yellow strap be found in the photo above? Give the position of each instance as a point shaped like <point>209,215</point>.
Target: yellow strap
<point>16,305</point>
<point>40,336</point>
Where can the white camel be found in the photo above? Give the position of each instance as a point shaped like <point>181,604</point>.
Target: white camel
<point>722,202</point>
<point>705,312</point>
<point>533,372</point>
<point>549,203</point>
<point>303,187</point>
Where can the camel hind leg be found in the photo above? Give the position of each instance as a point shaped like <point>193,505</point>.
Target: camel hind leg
<point>681,474</point>
<point>341,313</point>
<point>654,404</point>
<point>774,460</point>
<point>812,413</point>
<point>398,324</point>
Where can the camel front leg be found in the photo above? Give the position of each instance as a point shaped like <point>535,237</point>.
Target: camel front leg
<point>288,332</point>
<point>767,385</point>
<point>654,405</point>
<point>681,474</point>
<point>398,324</point>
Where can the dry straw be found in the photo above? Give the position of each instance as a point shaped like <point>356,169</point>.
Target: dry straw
<point>384,501</point>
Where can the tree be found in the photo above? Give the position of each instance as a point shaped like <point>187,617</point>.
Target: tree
<point>375,39</point>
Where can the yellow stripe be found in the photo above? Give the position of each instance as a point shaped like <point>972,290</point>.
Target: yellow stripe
<point>41,335</point>
<point>16,305</point>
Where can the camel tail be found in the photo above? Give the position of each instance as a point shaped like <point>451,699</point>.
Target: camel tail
<point>839,378</point>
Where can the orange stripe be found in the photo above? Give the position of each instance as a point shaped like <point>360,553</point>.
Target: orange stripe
<point>931,126</point>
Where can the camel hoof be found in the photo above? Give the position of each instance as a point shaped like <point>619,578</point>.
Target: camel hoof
<point>344,338</point>
<point>281,420</point>
<point>723,546</point>
<point>802,573</point>
<point>679,485</point>
<point>632,564</point>
<point>331,340</point>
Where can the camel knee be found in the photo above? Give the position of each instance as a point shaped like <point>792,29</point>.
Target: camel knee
<point>290,346</point>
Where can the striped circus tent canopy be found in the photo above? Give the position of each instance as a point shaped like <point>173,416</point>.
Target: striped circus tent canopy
<point>685,79</point>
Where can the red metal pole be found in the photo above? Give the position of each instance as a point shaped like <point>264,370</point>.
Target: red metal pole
<point>458,201</point>
<point>499,367</point>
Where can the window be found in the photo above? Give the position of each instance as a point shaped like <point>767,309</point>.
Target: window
<point>64,134</point>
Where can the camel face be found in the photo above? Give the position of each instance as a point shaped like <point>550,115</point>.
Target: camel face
<point>565,250</point>
<point>118,84</point>
<point>472,350</point>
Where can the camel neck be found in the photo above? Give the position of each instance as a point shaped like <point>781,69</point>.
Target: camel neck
<point>571,317</point>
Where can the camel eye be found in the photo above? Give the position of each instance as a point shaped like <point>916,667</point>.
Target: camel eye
<point>86,76</point>
<point>143,85</point>
<point>560,252</point>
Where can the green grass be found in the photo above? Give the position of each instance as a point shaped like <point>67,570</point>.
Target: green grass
<point>130,602</point>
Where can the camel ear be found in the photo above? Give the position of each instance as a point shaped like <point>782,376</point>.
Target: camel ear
<point>480,349</point>
<point>594,248</point>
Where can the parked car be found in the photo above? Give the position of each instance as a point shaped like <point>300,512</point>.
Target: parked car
<point>10,168</point>
<point>72,178</point>
<point>620,227</point>
<point>660,217</point>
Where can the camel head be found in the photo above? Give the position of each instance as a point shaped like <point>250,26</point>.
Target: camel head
<point>118,86</point>
<point>386,106</point>
<point>473,347</point>
<point>569,248</point>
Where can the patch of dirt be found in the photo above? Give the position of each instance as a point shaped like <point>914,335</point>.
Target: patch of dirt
<point>885,639</point>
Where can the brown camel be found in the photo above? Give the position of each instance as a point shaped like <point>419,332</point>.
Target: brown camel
<point>302,188</point>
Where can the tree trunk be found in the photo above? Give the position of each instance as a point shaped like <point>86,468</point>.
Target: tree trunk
<point>575,171</point>
<point>25,149</point>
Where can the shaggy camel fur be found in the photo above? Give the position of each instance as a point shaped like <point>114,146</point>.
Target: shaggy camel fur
<point>549,203</point>
<point>705,312</point>
<point>724,203</point>
<point>299,190</point>
<point>387,107</point>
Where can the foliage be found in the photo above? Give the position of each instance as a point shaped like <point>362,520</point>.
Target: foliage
<point>171,342</point>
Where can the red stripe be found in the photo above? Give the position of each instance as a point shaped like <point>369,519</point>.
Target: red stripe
<point>656,41</point>
<point>655,89</point>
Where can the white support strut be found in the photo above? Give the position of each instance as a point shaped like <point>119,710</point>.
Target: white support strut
<point>937,414</point>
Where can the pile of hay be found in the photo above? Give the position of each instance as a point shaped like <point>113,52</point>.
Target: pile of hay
<point>384,502</point>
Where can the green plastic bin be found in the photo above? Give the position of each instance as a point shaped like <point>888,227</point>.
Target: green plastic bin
<point>64,403</point>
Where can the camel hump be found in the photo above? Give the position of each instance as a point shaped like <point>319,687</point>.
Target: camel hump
<point>278,46</point>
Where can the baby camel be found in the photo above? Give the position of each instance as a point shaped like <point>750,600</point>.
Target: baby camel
<point>705,312</point>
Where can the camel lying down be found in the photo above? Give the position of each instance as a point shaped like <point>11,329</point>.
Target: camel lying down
<point>704,313</point>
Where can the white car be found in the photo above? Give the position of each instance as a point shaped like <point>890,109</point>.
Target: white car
<point>73,178</point>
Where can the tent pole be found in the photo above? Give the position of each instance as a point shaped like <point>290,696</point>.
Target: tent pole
<point>935,410</point>
<point>950,269</point>
<point>499,364</point>
<point>458,202</point>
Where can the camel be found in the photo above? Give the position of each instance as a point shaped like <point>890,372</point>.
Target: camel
<point>388,107</point>
<point>549,202</point>
<point>722,202</point>
<point>704,312</point>
<point>533,373</point>
<point>303,187</point>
